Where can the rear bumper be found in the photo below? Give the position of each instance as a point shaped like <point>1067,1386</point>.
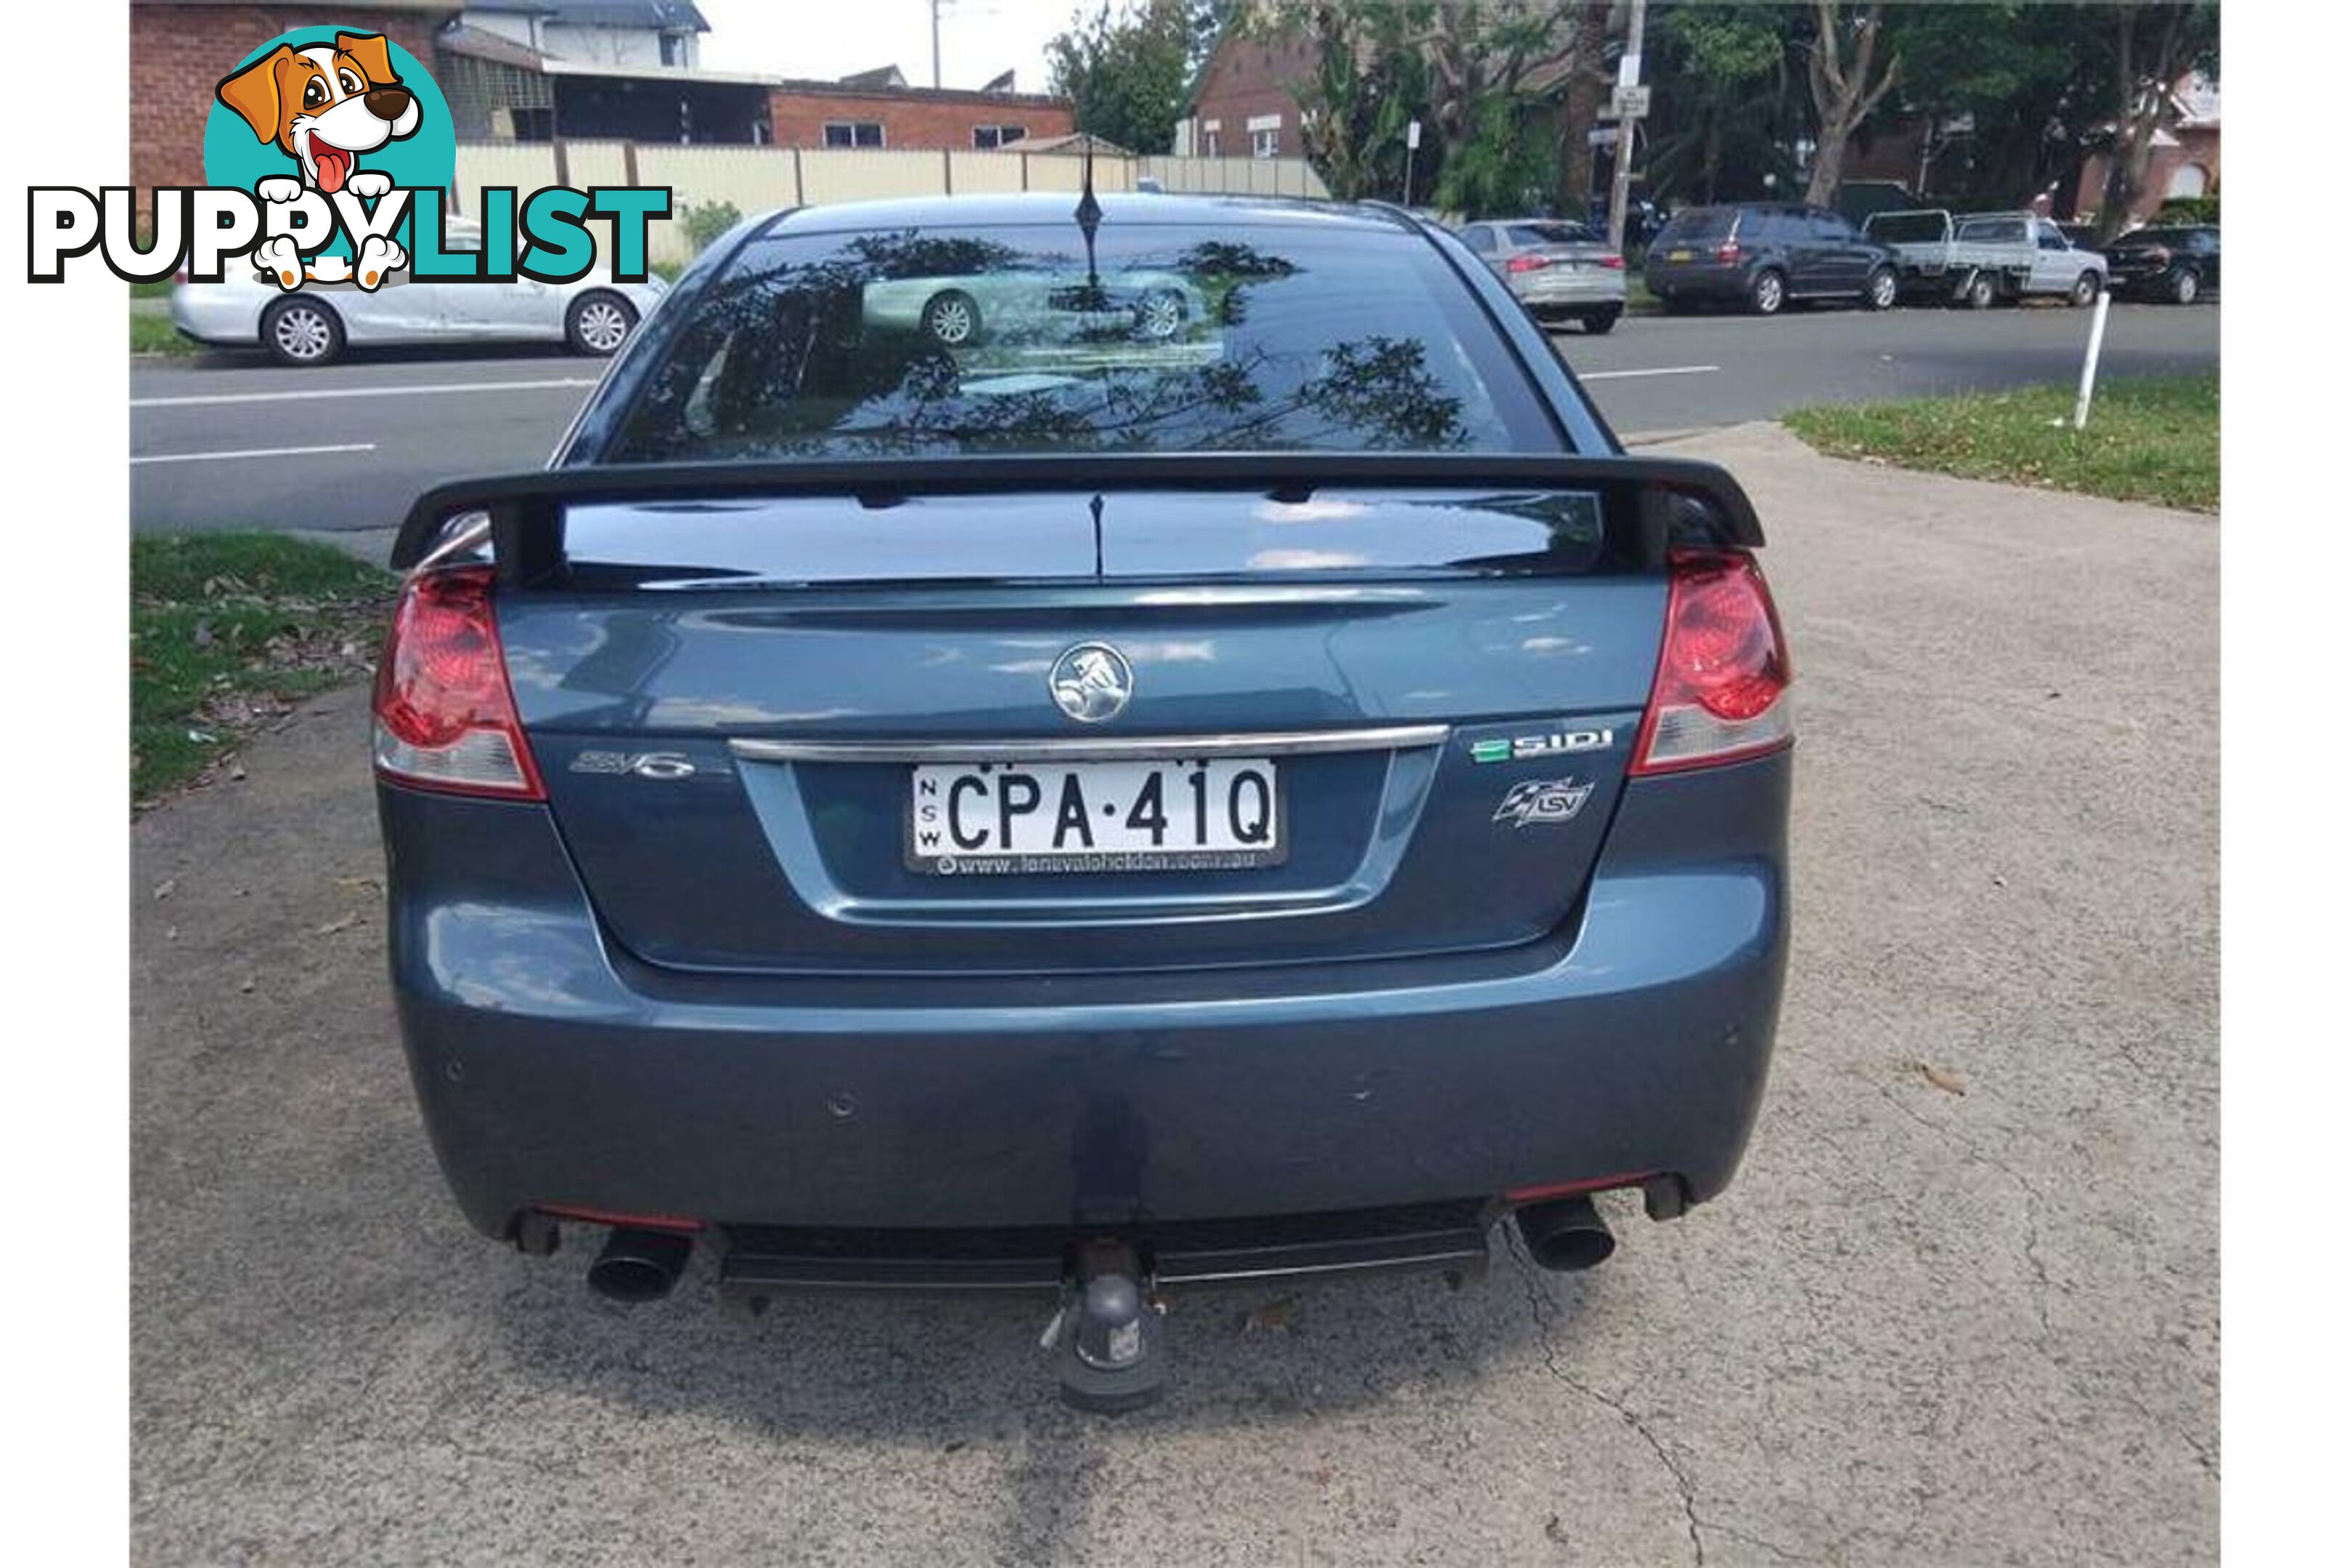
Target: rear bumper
<point>1697,282</point>
<point>1596,289</point>
<point>218,313</point>
<point>553,1068</point>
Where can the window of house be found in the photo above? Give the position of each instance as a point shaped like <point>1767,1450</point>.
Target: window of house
<point>853,133</point>
<point>1209,146</point>
<point>988,136</point>
<point>673,49</point>
<point>1266,143</point>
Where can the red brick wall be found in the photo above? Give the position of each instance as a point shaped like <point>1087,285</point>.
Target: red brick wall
<point>798,116</point>
<point>1244,80</point>
<point>179,54</point>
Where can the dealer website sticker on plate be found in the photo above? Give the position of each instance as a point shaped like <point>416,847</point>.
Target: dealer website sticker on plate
<point>1026,818</point>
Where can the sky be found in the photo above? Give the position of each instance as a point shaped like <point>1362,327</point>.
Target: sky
<point>827,38</point>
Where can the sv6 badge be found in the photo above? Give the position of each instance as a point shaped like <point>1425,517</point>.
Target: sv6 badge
<point>1542,801</point>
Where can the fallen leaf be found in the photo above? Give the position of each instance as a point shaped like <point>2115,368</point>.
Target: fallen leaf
<point>245,986</point>
<point>164,888</point>
<point>1276,1316</point>
<point>331,927</point>
<point>369,883</point>
<point>236,770</point>
<point>1948,1081</point>
<point>1553,1530</point>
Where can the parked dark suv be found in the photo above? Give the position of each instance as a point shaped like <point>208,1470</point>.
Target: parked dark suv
<point>1763,255</point>
<point>2177,265</point>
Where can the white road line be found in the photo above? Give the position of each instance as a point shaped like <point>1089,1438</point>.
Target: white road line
<point>1615,375</point>
<point>259,452</point>
<point>211,399</point>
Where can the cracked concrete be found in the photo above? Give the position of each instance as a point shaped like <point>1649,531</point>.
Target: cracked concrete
<point>1927,1324</point>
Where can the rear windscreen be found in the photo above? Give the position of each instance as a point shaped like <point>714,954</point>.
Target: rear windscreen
<point>1992,230</point>
<point>1701,225</point>
<point>1040,338</point>
<point>1551,234</point>
<point>1906,229</point>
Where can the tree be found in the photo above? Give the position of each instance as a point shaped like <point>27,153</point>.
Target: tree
<point>2155,45</point>
<point>1726,112</point>
<point>1844,50</point>
<point>1583,91</point>
<point>1125,71</point>
<point>1366,82</point>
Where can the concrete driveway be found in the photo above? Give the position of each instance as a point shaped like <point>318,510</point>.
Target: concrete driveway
<point>1961,1306</point>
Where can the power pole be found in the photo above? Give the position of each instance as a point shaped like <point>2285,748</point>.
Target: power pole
<point>935,45</point>
<point>1621,177</point>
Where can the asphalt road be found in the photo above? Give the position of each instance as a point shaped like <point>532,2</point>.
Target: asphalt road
<point>227,441</point>
<point>1961,1305</point>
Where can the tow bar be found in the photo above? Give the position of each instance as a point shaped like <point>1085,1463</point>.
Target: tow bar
<point>1106,1336</point>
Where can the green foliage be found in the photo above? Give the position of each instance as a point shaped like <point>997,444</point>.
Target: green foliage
<point>1506,167</point>
<point>1125,71</point>
<point>2191,209</point>
<point>1728,105</point>
<point>706,221</point>
<point>1368,83</point>
<point>2149,440</point>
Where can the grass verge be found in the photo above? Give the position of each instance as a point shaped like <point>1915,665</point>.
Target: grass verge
<point>152,333</point>
<point>228,631</point>
<point>2154,439</point>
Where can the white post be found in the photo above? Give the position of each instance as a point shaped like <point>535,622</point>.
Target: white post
<point>2090,359</point>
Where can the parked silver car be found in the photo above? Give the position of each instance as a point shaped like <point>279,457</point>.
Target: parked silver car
<point>313,324</point>
<point>959,311</point>
<point>1556,268</point>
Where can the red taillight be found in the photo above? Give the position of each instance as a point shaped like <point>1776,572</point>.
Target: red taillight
<point>445,715</point>
<point>1723,669</point>
<point>1728,251</point>
<point>1613,261</point>
<point>1528,263</point>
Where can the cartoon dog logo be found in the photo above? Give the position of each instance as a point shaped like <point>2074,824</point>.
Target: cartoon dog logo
<point>323,107</point>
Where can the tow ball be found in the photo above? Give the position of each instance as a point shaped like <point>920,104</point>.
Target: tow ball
<point>1106,1336</point>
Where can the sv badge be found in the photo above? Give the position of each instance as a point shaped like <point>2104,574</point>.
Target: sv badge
<point>1543,801</point>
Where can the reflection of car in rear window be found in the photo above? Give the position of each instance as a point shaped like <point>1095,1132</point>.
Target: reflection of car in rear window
<point>1032,338</point>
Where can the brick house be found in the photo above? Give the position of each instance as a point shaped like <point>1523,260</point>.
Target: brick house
<point>1245,104</point>
<point>874,108</point>
<point>180,50</point>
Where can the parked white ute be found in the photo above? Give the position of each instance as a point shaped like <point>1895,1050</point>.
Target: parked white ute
<point>313,324</point>
<point>1982,258</point>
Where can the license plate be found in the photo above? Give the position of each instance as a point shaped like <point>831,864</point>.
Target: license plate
<point>1678,255</point>
<point>1026,819</point>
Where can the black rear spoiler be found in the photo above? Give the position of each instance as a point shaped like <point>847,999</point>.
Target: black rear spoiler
<point>1657,502</point>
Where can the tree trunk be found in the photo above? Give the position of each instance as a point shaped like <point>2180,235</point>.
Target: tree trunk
<point>1843,93</point>
<point>2142,90</point>
<point>1587,89</point>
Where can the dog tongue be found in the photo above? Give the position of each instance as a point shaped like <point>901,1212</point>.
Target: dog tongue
<point>333,165</point>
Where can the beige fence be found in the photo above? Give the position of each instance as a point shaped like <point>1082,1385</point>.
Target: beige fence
<point>760,179</point>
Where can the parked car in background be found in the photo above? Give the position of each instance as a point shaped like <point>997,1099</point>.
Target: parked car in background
<point>2180,265</point>
<point>315,324</point>
<point>1644,219</point>
<point>1076,815</point>
<point>1984,258</point>
<point>1559,271</point>
<point>1763,255</point>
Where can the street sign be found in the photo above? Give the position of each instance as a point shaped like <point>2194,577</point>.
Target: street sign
<point>1630,102</point>
<point>1412,134</point>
